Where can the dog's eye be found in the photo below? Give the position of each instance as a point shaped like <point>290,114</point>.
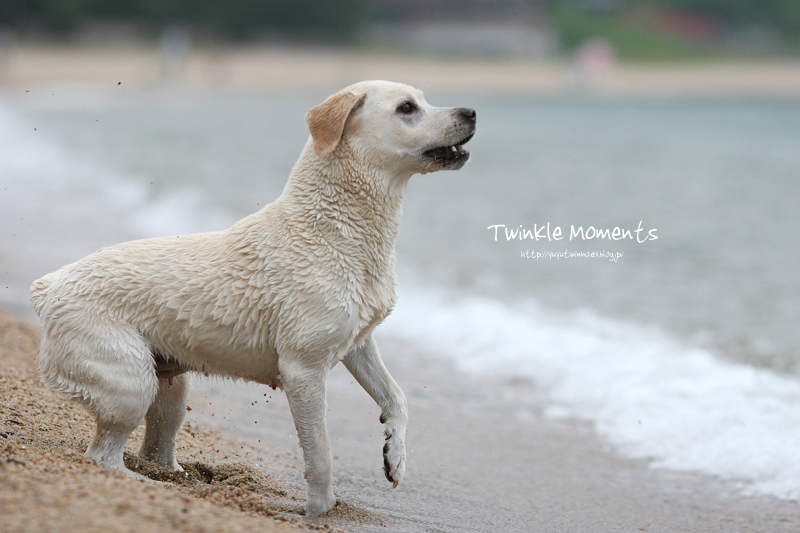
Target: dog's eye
<point>406,108</point>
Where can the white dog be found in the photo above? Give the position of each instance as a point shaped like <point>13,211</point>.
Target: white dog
<point>279,298</point>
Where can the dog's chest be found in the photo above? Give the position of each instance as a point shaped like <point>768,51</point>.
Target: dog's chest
<point>372,304</point>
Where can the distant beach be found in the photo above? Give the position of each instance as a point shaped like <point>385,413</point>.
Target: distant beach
<point>268,68</point>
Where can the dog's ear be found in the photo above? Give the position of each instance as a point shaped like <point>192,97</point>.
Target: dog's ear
<point>326,121</point>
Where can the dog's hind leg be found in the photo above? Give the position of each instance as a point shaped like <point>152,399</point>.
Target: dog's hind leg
<point>164,419</point>
<point>108,367</point>
<point>118,411</point>
<point>108,444</point>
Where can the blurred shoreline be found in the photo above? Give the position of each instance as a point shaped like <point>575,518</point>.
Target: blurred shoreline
<point>253,69</point>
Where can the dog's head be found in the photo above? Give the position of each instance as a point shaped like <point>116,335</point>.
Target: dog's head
<point>392,127</point>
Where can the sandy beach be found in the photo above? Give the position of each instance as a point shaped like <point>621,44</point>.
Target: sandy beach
<point>275,69</point>
<point>46,484</point>
<point>465,474</point>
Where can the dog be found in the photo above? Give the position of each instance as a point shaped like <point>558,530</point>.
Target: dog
<point>279,298</point>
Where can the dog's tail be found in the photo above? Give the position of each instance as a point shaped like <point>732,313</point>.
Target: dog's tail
<point>39,290</point>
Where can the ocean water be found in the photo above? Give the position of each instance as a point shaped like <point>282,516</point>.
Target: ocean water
<point>666,314</point>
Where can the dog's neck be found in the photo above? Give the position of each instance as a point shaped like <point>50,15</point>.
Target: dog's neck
<point>362,209</point>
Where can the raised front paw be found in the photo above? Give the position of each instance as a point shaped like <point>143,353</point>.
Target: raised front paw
<point>394,456</point>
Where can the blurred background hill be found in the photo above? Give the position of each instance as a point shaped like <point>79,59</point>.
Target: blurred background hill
<point>639,30</point>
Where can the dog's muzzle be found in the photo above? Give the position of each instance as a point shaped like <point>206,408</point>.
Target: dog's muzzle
<point>454,155</point>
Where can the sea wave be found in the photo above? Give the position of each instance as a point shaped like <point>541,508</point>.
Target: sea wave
<point>648,394</point>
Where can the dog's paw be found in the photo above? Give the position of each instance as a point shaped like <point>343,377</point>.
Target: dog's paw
<point>316,504</point>
<point>394,456</point>
<point>167,460</point>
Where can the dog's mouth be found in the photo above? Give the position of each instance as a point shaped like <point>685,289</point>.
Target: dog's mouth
<point>448,155</point>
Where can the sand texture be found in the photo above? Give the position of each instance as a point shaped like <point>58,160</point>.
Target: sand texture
<point>46,484</point>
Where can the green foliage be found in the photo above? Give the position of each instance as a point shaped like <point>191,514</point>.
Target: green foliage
<point>631,42</point>
<point>781,14</point>
<point>240,19</point>
<point>622,25</point>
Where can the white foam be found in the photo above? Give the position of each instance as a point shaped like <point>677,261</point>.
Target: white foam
<point>40,178</point>
<point>647,394</point>
<point>178,212</point>
<point>57,206</point>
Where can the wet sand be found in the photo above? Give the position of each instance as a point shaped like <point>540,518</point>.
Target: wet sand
<point>484,456</point>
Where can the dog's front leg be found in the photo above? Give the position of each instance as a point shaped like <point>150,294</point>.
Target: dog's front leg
<point>367,367</point>
<point>305,389</point>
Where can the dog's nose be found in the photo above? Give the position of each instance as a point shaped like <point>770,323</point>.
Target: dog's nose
<point>469,114</point>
